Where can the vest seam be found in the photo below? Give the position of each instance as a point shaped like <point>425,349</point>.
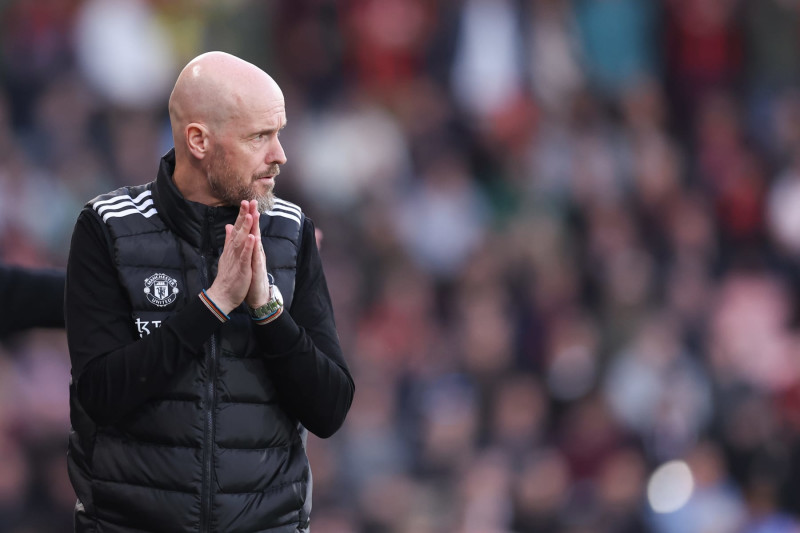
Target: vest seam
<point>153,444</point>
<point>265,491</point>
<point>231,402</point>
<point>164,400</point>
<point>290,239</point>
<point>149,266</point>
<point>151,487</point>
<point>148,231</point>
<point>229,354</point>
<point>268,448</point>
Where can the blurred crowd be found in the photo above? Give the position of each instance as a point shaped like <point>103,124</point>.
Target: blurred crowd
<point>562,239</point>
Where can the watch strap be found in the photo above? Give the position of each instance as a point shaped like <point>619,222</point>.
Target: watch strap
<point>270,310</point>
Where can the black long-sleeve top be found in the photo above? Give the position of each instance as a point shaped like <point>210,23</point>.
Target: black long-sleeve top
<point>32,298</point>
<point>116,371</point>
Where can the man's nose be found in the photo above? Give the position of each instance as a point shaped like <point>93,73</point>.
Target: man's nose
<point>276,154</point>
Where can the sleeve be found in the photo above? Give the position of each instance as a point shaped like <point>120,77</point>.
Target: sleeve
<point>114,371</point>
<point>303,352</point>
<point>32,298</point>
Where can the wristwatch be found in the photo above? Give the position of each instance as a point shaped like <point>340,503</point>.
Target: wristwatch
<point>270,310</point>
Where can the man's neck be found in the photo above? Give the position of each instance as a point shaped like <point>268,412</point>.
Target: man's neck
<point>192,184</point>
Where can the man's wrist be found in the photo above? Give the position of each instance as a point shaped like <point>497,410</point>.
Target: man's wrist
<point>212,306</point>
<point>262,299</point>
<point>269,311</point>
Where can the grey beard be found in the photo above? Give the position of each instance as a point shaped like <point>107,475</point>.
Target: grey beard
<point>226,186</point>
<point>233,195</point>
<point>265,202</point>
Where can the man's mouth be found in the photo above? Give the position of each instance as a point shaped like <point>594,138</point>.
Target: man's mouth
<point>268,176</point>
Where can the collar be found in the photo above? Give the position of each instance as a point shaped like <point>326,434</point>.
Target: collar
<point>201,225</point>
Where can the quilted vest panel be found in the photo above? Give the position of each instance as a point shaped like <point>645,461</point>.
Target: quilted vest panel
<point>220,423</point>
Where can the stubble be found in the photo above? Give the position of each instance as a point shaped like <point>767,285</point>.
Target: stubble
<point>231,188</point>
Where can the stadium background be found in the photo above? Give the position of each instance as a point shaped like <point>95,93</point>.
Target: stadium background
<point>561,237</point>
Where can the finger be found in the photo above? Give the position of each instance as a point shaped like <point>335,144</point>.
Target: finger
<point>240,236</point>
<point>244,209</point>
<point>228,234</point>
<point>259,286</point>
<point>240,265</point>
<point>244,254</point>
<point>259,258</point>
<point>249,244</point>
<point>255,230</point>
<point>248,249</point>
<point>263,254</point>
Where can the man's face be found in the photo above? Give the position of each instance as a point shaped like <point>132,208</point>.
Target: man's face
<point>231,185</point>
<point>247,154</point>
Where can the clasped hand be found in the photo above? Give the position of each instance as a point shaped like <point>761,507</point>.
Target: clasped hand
<point>242,268</point>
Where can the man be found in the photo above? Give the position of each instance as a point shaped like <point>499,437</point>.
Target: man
<point>200,328</point>
<point>33,297</point>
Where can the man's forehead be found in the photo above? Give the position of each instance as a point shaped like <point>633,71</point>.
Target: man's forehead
<point>264,119</point>
<point>274,112</point>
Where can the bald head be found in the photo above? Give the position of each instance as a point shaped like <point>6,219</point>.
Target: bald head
<point>226,114</point>
<point>214,89</point>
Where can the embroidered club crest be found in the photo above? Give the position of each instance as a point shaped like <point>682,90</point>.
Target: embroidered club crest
<point>161,290</point>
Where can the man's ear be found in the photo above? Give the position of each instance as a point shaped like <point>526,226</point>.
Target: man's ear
<point>197,140</point>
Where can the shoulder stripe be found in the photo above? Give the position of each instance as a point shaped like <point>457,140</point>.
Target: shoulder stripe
<point>123,197</point>
<point>124,205</point>
<point>286,210</point>
<point>282,208</point>
<point>117,214</point>
<point>290,216</point>
<point>287,205</point>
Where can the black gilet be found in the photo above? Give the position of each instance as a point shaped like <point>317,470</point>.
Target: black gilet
<point>215,452</point>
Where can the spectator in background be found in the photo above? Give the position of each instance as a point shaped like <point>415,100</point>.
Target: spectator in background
<point>617,42</point>
<point>703,49</point>
<point>32,298</point>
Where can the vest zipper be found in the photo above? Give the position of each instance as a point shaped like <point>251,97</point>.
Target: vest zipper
<point>211,365</point>
<point>209,434</point>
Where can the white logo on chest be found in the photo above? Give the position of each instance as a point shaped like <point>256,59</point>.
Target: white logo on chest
<point>161,290</point>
